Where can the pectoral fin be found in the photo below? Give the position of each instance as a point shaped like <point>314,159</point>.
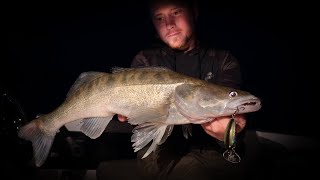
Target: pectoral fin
<point>167,133</point>
<point>156,140</point>
<point>144,133</point>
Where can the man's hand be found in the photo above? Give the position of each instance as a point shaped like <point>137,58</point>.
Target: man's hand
<point>122,118</point>
<point>216,128</point>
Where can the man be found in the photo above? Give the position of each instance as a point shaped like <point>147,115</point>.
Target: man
<point>201,156</point>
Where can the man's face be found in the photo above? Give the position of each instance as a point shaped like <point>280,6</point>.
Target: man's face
<point>174,24</point>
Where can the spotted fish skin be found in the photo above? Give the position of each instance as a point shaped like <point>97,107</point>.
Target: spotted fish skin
<point>153,98</point>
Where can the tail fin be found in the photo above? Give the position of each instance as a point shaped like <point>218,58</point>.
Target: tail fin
<point>41,142</point>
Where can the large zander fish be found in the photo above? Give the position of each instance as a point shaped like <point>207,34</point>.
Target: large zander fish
<point>153,98</point>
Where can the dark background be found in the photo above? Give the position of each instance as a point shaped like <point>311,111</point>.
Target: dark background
<point>49,45</point>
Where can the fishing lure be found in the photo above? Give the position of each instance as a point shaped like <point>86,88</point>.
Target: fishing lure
<point>230,142</point>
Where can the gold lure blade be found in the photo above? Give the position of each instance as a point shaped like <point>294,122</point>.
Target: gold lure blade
<point>230,134</point>
<point>230,141</point>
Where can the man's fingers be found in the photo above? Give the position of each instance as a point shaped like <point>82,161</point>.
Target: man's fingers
<point>213,129</point>
<point>240,124</point>
<point>122,118</point>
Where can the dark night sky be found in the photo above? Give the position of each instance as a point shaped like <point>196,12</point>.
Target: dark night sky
<point>50,45</point>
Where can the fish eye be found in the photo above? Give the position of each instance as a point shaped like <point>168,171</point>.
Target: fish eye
<point>233,94</point>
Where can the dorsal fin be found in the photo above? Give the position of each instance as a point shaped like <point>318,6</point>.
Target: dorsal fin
<point>119,69</point>
<point>156,68</point>
<point>83,78</point>
<point>145,68</point>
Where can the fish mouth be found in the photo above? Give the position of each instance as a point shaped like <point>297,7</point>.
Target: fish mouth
<point>250,106</point>
<point>252,103</point>
<point>245,106</point>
